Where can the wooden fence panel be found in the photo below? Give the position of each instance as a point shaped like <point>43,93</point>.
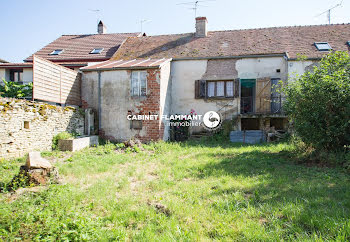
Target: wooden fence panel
<point>55,83</point>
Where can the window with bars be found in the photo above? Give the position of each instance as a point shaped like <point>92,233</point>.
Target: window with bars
<point>220,89</point>
<point>138,83</point>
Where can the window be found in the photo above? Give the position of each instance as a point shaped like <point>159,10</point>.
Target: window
<point>26,125</point>
<point>56,52</point>
<point>323,46</point>
<point>96,51</point>
<point>136,124</point>
<point>220,89</point>
<point>16,75</point>
<point>138,83</point>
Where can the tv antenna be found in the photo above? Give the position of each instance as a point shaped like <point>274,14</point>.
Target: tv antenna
<point>328,11</point>
<point>142,21</point>
<point>196,5</point>
<point>97,12</point>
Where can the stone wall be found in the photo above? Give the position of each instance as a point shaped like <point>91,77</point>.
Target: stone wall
<point>26,126</point>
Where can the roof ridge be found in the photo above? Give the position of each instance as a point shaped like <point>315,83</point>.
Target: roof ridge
<point>281,27</point>
<point>231,30</point>
<point>98,34</point>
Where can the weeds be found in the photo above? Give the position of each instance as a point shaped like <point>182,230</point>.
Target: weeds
<point>182,191</point>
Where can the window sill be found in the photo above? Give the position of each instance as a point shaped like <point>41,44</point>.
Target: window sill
<point>220,98</point>
<point>139,97</point>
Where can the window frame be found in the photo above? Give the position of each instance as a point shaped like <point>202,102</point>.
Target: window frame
<point>94,51</point>
<point>18,73</point>
<point>225,96</point>
<point>139,84</point>
<point>56,52</point>
<point>322,43</point>
<point>136,124</point>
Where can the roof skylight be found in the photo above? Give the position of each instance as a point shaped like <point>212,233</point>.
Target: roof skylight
<point>348,43</point>
<point>56,52</point>
<point>96,51</point>
<point>323,46</point>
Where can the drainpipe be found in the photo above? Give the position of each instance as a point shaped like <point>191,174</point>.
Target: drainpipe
<point>99,101</point>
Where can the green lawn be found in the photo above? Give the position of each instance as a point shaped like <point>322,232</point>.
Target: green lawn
<point>181,191</point>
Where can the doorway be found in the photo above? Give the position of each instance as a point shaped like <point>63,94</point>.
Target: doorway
<point>247,95</point>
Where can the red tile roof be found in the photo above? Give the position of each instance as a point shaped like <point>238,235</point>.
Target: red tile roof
<point>277,40</point>
<point>78,47</point>
<point>16,65</point>
<point>124,64</point>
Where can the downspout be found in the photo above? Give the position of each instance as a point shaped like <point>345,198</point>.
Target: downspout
<point>99,101</point>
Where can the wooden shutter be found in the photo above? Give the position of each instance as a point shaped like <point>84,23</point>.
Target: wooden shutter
<point>199,90</point>
<point>263,95</point>
<point>236,90</point>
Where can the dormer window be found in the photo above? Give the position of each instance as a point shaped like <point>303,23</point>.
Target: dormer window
<point>96,51</point>
<point>56,52</point>
<point>323,46</point>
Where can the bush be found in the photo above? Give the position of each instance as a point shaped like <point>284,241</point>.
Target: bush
<point>15,90</point>
<point>318,104</point>
<point>57,137</point>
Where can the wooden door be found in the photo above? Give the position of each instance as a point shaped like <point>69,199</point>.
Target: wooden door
<point>263,95</point>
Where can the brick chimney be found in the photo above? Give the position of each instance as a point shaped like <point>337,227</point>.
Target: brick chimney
<point>101,28</point>
<point>201,27</point>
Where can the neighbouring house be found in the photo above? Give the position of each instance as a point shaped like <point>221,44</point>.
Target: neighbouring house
<point>232,72</point>
<point>71,51</point>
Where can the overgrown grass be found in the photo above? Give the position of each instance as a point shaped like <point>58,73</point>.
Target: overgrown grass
<point>210,191</point>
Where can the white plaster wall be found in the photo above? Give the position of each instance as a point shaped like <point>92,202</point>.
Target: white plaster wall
<point>89,89</point>
<point>115,103</point>
<point>183,76</point>
<point>165,97</point>
<point>2,74</point>
<point>253,68</point>
<point>185,73</point>
<point>27,75</point>
<point>297,68</point>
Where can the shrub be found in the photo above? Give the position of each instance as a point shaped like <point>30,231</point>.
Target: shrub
<point>57,137</point>
<point>15,90</point>
<point>318,104</point>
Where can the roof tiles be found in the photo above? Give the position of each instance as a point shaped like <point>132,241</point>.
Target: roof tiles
<point>78,47</point>
<point>277,40</point>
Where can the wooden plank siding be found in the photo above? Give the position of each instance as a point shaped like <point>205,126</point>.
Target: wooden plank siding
<point>55,83</point>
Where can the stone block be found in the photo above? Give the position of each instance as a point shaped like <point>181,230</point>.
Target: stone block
<point>78,143</point>
<point>35,160</point>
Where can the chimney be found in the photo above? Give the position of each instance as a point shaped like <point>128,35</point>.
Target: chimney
<point>201,27</point>
<point>101,28</point>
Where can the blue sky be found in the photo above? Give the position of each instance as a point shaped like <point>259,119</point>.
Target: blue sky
<point>28,25</point>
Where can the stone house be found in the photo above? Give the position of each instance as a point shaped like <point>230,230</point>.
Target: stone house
<point>233,72</point>
<point>120,88</point>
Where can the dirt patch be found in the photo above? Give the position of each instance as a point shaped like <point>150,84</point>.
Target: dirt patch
<point>13,196</point>
<point>160,208</point>
<point>62,158</point>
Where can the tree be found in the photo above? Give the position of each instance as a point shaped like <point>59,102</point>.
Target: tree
<point>318,103</point>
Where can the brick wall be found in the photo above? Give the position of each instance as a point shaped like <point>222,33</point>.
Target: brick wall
<point>151,105</point>
<point>26,126</point>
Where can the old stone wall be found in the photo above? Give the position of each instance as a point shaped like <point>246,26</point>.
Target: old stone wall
<point>26,126</point>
